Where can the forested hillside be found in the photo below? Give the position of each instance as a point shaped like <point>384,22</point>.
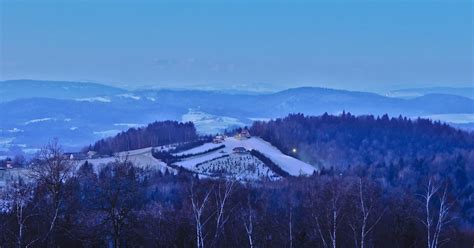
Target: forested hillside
<point>155,134</point>
<point>346,140</point>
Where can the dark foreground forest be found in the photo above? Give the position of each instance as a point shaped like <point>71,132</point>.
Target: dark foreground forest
<point>397,183</point>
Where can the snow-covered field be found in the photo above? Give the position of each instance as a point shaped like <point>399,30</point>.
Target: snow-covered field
<point>289,164</point>
<point>140,158</point>
<point>210,124</point>
<point>131,96</point>
<point>94,99</point>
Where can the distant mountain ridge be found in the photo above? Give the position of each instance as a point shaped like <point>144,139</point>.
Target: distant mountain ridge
<point>416,92</point>
<point>79,113</point>
<point>24,88</point>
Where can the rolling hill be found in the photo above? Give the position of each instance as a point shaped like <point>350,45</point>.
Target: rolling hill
<point>21,89</point>
<point>79,113</point>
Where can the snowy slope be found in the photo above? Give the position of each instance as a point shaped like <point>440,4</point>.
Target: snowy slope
<point>190,163</point>
<point>141,158</point>
<point>289,164</point>
<point>199,149</point>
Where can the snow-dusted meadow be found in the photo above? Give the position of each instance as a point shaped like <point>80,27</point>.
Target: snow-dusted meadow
<point>140,158</point>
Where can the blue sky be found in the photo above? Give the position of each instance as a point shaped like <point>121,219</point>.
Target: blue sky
<point>363,45</point>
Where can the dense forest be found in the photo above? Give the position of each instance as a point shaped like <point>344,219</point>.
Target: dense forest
<point>155,134</point>
<point>393,151</point>
<point>345,140</point>
<point>63,204</point>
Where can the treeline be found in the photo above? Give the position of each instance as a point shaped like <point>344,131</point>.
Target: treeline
<point>124,206</point>
<point>155,134</point>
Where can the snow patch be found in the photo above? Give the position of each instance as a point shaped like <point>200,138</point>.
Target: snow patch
<point>106,133</point>
<point>16,130</point>
<point>210,124</point>
<point>129,125</point>
<point>131,96</point>
<point>94,99</point>
<point>452,118</point>
<point>30,150</point>
<point>260,119</point>
<point>6,142</point>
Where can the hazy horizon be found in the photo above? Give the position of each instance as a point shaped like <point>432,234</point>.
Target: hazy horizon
<point>353,45</point>
<point>250,88</point>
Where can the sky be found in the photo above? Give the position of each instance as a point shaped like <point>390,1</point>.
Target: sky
<point>359,45</point>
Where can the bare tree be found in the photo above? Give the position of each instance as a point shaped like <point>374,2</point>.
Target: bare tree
<point>436,218</point>
<point>20,194</point>
<point>198,208</point>
<point>248,219</point>
<point>51,171</point>
<point>367,218</point>
<point>222,194</point>
<point>330,212</point>
<point>290,226</point>
<point>290,201</point>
